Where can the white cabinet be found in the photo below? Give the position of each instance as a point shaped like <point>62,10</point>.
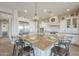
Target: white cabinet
<point>72,22</point>
<point>70,25</point>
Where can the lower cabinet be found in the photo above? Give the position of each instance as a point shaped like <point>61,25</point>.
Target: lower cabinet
<point>73,37</point>
<point>40,52</point>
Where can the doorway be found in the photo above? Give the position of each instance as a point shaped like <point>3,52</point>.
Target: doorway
<point>4,26</point>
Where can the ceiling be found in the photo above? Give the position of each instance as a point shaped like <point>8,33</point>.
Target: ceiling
<point>56,8</point>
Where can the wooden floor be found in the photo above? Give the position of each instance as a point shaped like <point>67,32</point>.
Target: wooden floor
<point>6,48</point>
<point>74,50</point>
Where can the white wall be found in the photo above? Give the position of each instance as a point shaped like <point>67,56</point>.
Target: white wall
<point>63,26</point>
<point>5,10</point>
<point>5,14</point>
<point>0,30</point>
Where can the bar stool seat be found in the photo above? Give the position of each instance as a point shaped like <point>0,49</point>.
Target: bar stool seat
<point>61,48</point>
<point>27,50</point>
<point>58,51</point>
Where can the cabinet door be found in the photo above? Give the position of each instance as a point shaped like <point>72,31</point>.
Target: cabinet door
<point>68,23</point>
<point>74,22</point>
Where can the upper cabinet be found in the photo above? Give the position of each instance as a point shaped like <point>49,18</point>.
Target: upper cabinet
<point>72,22</point>
<point>69,23</point>
<point>75,24</point>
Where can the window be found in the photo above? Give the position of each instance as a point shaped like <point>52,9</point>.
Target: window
<point>23,27</point>
<point>41,30</point>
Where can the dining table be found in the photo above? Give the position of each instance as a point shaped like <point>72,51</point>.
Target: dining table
<point>42,44</point>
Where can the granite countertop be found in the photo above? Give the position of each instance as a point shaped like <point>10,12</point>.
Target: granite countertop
<point>69,33</point>
<point>40,42</point>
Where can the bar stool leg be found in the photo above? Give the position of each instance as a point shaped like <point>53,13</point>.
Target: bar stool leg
<point>51,53</point>
<point>33,53</point>
<point>14,50</point>
<point>20,53</point>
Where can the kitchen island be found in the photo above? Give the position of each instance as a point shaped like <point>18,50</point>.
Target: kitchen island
<point>42,45</point>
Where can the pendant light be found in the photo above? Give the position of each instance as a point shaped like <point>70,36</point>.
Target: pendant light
<point>35,17</point>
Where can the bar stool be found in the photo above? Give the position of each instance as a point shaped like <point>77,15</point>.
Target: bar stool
<point>28,50</point>
<point>67,43</point>
<point>18,45</point>
<point>61,48</point>
<point>58,51</point>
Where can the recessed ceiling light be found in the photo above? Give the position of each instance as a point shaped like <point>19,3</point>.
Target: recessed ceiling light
<point>68,9</point>
<point>25,11</point>
<point>45,10</point>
